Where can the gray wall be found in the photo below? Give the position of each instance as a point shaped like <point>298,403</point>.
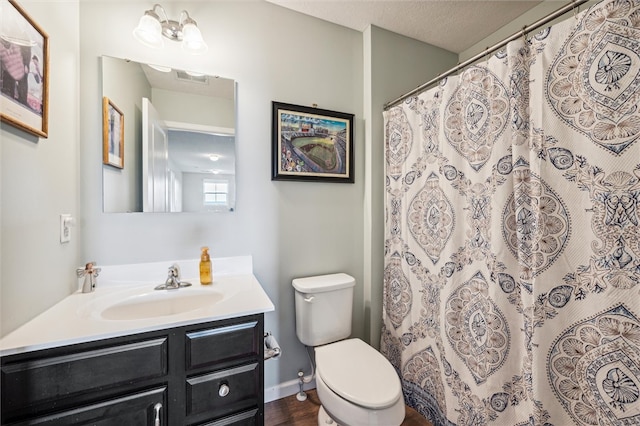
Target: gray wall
<point>533,15</point>
<point>194,109</point>
<point>39,181</point>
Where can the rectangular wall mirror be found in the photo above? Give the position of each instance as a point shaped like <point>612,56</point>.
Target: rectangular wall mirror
<point>178,153</point>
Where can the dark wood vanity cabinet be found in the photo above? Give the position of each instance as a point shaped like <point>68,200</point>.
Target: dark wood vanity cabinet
<point>203,374</point>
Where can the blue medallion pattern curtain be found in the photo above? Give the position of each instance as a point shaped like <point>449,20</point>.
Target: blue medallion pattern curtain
<point>512,243</point>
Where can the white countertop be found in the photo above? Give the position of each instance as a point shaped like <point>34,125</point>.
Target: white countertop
<point>77,318</point>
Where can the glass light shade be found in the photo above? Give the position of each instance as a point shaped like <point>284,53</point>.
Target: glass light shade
<point>149,32</point>
<point>192,40</point>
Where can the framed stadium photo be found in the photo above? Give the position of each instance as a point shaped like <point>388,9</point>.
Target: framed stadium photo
<point>311,144</point>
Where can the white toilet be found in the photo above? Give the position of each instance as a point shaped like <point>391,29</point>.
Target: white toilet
<point>356,385</point>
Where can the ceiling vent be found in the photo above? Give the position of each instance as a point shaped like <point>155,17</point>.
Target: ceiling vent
<point>185,76</point>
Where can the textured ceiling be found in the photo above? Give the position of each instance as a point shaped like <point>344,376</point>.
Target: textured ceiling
<point>454,25</point>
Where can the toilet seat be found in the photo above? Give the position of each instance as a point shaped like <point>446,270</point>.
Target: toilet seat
<point>341,412</point>
<point>358,373</point>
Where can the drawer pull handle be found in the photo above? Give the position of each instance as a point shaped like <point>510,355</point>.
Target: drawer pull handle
<point>156,410</point>
<point>223,390</point>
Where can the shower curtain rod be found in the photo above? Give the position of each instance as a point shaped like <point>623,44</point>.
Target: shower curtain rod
<point>553,15</point>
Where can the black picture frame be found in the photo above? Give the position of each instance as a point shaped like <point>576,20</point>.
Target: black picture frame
<point>325,154</point>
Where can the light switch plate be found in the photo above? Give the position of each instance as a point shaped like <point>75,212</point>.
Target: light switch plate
<point>65,228</point>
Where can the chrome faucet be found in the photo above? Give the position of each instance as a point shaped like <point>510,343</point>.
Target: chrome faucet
<point>89,273</point>
<point>173,279</point>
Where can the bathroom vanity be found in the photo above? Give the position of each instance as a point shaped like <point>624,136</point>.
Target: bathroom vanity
<point>74,364</point>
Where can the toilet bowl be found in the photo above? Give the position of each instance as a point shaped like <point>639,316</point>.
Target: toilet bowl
<point>357,386</point>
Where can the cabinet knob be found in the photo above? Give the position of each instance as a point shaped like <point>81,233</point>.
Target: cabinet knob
<point>223,390</point>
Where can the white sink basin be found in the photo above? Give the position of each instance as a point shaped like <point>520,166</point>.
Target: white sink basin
<point>138,305</point>
<point>172,302</point>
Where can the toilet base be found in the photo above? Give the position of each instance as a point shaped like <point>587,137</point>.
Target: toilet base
<point>324,419</point>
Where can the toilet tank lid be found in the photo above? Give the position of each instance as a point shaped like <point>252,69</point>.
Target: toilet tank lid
<point>322,283</point>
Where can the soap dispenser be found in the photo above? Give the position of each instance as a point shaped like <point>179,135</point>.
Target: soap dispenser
<point>206,274</point>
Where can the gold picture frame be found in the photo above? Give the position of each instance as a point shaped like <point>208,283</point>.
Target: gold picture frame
<point>112,134</point>
<point>24,72</point>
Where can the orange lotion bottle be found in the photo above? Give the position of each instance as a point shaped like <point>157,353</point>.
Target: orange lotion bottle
<point>206,275</point>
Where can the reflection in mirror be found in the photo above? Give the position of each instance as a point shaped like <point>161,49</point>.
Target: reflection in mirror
<point>179,143</point>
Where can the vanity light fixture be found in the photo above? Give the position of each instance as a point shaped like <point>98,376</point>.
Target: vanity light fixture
<point>155,24</point>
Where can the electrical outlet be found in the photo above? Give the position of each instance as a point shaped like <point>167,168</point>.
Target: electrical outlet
<point>65,227</point>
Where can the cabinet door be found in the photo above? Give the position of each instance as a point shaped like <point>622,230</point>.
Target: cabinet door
<point>139,409</point>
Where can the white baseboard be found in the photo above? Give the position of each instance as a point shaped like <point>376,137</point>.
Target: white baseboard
<point>286,389</point>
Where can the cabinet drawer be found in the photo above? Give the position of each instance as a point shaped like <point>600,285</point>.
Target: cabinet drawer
<point>222,344</point>
<point>205,393</point>
<point>247,418</point>
<point>39,381</point>
<point>131,410</point>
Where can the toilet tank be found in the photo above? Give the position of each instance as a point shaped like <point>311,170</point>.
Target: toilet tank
<point>323,308</point>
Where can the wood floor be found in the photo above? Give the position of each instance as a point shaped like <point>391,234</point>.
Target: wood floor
<point>291,412</point>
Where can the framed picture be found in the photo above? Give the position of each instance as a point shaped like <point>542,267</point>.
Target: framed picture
<point>24,71</point>
<point>311,144</point>
<point>112,134</point>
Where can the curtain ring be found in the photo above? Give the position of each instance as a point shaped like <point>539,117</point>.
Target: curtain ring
<point>576,9</point>
<point>524,35</point>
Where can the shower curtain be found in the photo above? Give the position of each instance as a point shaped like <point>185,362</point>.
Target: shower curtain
<point>512,243</point>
